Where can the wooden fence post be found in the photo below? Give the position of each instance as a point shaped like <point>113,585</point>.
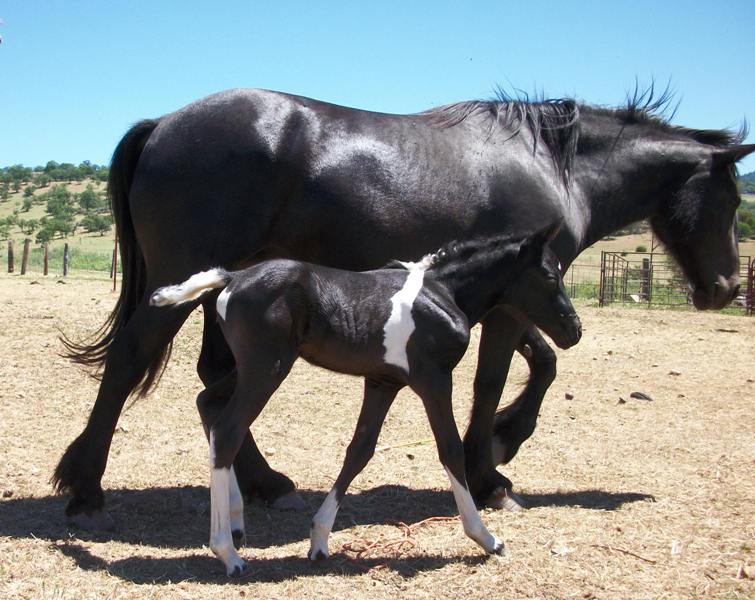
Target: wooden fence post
<point>46,247</point>
<point>10,256</point>
<point>66,258</point>
<point>25,256</point>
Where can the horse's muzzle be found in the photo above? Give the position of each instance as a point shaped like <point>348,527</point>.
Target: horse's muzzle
<point>717,295</point>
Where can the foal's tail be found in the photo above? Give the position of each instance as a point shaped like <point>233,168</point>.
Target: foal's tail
<point>192,288</point>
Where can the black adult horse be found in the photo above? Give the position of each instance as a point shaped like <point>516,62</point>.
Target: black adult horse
<point>246,175</point>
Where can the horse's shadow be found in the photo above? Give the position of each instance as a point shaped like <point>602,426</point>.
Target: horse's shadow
<point>178,517</point>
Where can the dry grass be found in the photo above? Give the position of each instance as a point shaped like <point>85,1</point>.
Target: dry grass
<point>637,499</point>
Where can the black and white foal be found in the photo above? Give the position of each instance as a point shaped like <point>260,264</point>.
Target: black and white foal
<point>405,324</point>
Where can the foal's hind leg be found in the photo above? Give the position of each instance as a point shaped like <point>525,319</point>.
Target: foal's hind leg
<point>262,368</point>
<point>216,368</point>
<point>436,396</point>
<point>378,398</point>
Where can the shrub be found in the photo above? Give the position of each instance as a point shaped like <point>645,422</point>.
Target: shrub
<point>641,248</point>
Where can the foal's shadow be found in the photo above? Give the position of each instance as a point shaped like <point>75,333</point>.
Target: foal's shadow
<point>178,517</point>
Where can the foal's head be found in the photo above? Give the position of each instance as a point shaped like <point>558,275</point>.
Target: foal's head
<point>537,291</point>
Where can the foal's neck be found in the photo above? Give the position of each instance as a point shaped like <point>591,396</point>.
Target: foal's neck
<point>478,282</point>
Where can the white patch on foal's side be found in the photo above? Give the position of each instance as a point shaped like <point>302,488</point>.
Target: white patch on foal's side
<point>400,324</point>
<point>222,303</point>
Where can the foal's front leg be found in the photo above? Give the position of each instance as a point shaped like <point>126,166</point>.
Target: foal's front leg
<point>378,397</point>
<point>436,396</point>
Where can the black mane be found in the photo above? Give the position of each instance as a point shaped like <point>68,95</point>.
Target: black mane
<point>555,122</point>
<point>552,121</point>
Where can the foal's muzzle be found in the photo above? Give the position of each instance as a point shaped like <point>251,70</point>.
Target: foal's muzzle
<point>571,331</point>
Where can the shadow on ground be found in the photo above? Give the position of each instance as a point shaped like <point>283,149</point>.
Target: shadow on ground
<point>178,517</point>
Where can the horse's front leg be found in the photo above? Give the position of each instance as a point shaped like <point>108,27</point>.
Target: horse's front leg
<point>500,334</point>
<point>217,371</point>
<point>515,423</point>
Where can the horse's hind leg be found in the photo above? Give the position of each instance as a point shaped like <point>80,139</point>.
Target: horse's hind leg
<point>216,369</point>
<point>436,396</point>
<point>378,398</point>
<point>132,351</point>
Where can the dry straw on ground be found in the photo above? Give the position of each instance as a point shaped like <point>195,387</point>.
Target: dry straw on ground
<point>627,500</point>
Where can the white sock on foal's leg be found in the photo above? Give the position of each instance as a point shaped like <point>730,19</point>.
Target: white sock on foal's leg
<point>322,525</point>
<point>236,504</point>
<point>470,518</point>
<point>221,539</point>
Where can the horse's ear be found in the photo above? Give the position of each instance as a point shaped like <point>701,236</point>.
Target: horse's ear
<point>732,154</point>
<point>533,246</point>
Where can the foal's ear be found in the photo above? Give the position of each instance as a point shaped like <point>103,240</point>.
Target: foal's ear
<point>732,154</point>
<point>533,246</point>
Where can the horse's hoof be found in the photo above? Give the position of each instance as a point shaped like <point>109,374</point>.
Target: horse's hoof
<point>499,548</point>
<point>503,498</point>
<point>239,538</point>
<point>98,520</point>
<point>290,501</point>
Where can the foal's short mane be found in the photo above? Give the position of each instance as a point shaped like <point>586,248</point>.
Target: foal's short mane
<point>460,251</point>
<point>555,122</point>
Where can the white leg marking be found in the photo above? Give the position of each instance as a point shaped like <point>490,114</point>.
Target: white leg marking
<point>236,501</point>
<point>400,324</point>
<point>322,524</point>
<point>470,518</point>
<point>221,540</point>
<point>221,304</point>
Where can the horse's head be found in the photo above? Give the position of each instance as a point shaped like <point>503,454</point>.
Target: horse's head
<point>698,225</point>
<point>538,291</point>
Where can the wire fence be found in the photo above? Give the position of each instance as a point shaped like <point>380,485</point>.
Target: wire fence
<point>629,278</point>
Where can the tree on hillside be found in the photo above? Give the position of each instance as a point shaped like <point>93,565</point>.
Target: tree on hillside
<point>97,223</point>
<point>90,200</point>
<point>29,191</point>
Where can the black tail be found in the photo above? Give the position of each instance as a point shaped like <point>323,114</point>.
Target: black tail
<point>122,169</point>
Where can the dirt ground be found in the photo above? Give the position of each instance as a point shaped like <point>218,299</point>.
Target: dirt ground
<point>627,499</point>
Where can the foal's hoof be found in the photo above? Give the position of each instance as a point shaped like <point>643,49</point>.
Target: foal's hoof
<point>237,569</point>
<point>498,548</point>
<point>505,499</point>
<point>290,501</point>
<point>316,555</point>
<point>239,538</point>
<point>98,520</point>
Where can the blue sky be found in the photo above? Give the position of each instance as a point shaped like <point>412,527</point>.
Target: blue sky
<point>75,74</point>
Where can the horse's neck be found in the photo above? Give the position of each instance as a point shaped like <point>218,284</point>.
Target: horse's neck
<point>624,178</point>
